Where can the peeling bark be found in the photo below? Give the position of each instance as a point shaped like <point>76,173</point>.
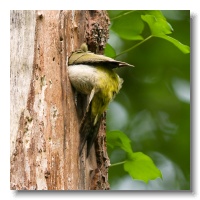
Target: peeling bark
<point>44,119</point>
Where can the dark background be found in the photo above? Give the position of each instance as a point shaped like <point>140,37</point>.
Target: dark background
<point>153,106</point>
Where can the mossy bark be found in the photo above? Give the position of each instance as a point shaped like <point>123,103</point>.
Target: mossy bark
<point>44,118</point>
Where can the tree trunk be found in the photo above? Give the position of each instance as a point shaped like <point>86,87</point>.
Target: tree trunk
<point>44,120</point>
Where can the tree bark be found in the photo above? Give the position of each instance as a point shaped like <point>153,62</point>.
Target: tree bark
<point>43,116</point>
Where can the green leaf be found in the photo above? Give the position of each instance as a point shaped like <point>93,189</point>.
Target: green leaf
<point>129,26</point>
<point>118,139</point>
<point>156,13</point>
<point>138,165</point>
<point>109,51</point>
<point>141,167</point>
<point>160,27</point>
<point>184,48</point>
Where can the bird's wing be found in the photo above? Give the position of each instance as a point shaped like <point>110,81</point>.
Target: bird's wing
<point>80,57</point>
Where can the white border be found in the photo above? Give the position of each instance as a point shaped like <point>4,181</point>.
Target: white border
<point>6,6</point>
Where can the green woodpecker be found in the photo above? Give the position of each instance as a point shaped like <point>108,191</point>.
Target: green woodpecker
<point>93,75</point>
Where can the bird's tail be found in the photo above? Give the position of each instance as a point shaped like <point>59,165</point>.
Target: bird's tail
<point>88,131</point>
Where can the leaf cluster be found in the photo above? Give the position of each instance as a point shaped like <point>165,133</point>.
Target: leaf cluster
<point>130,25</point>
<point>138,165</point>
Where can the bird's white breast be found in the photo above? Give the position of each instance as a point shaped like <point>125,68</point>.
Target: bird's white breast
<point>83,77</point>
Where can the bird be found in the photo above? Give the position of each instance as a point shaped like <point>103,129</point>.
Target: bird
<point>93,75</point>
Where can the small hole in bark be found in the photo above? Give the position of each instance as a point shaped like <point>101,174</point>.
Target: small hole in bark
<point>40,16</point>
<point>53,58</point>
<point>61,38</point>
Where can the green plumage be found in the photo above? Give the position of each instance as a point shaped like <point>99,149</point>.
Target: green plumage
<point>92,74</point>
<point>86,57</point>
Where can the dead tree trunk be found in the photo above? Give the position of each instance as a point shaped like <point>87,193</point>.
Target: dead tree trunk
<point>44,120</point>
